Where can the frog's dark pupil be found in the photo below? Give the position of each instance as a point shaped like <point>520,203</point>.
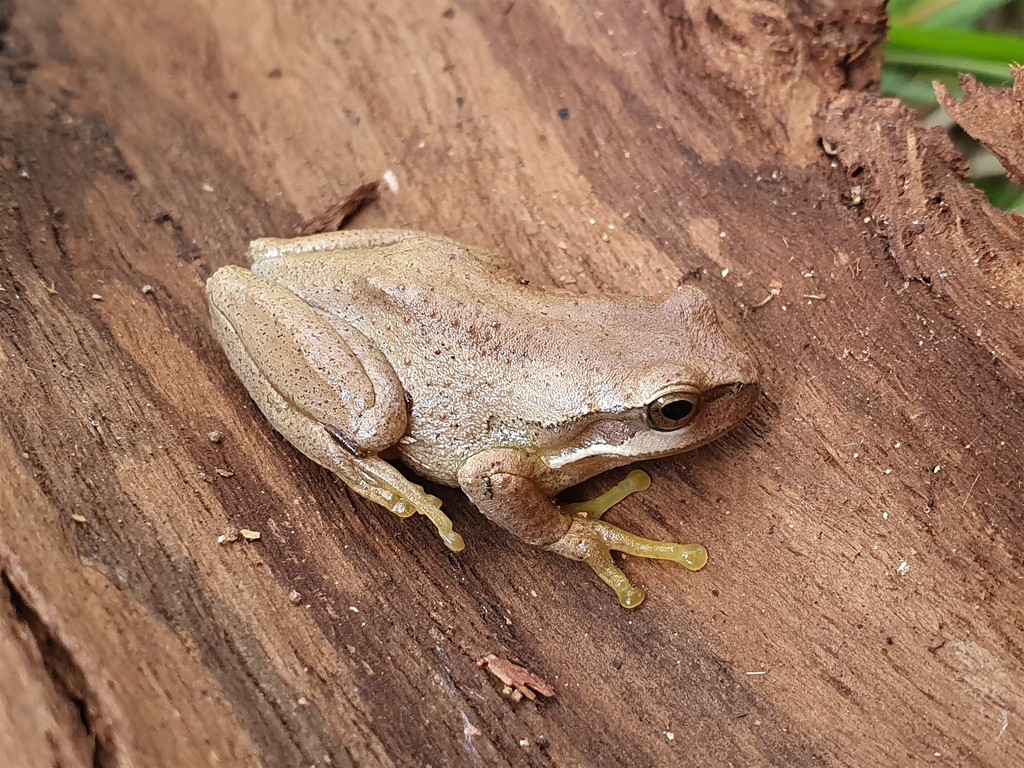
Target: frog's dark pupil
<point>677,409</point>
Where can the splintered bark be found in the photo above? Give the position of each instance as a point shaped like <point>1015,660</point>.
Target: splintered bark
<point>863,604</point>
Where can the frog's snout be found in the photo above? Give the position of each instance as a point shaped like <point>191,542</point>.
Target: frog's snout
<point>745,391</point>
<point>737,390</point>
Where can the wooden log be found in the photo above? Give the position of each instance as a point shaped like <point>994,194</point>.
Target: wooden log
<point>863,603</point>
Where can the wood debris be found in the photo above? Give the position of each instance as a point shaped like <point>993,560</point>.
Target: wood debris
<point>520,681</point>
<point>774,289</point>
<point>245,533</point>
<point>334,218</point>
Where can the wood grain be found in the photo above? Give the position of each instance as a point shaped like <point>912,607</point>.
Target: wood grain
<point>863,603</point>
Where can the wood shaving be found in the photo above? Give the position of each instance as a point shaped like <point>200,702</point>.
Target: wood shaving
<point>774,289</point>
<point>224,472</point>
<point>334,218</point>
<point>250,535</point>
<point>519,680</point>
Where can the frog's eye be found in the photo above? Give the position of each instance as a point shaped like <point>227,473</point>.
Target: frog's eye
<point>671,412</point>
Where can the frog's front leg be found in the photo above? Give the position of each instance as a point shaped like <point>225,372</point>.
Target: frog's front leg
<point>501,484</point>
<point>323,385</point>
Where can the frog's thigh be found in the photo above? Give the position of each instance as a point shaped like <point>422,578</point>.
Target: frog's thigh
<point>328,369</point>
<point>370,476</point>
<point>345,240</point>
<point>236,313</point>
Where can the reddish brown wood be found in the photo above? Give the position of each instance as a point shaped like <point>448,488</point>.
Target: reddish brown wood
<point>992,116</point>
<point>863,601</point>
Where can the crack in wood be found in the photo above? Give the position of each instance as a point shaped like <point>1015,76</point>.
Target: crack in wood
<point>66,675</point>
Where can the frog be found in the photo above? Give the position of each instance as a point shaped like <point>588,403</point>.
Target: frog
<point>383,354</point>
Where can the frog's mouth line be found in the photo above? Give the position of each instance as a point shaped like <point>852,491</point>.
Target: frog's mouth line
<point>641,445</point>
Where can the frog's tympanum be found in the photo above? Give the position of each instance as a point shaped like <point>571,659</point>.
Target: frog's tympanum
<point>365,346</point>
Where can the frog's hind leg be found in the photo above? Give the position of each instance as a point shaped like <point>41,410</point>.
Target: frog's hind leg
<point>344,240</point>
<point>368,475</point>
<point>353,240</point>
<point>323,385</point>
<point>324,366</point>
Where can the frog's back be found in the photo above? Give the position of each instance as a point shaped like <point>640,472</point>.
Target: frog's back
<point>483,355</point>
<point>432,304</point>
<point>344,258</point>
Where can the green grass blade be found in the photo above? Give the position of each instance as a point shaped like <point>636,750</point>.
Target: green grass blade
<point>989,71</point>
<point>934,40</point>
<point>1002,193</point>
<point>940,13</point>
<point>983,46</point>
<point>983,55</point>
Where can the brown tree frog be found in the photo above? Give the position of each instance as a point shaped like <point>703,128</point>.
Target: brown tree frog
<point>365,346</point>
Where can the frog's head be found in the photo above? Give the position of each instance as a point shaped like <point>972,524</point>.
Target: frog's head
<point>678,383</point>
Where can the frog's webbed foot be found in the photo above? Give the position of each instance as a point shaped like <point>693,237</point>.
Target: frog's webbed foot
<point>592,541</point>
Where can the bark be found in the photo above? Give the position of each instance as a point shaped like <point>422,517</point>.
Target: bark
<point>863,603</point>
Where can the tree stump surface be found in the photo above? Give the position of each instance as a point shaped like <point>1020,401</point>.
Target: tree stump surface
<point>863,602</point>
